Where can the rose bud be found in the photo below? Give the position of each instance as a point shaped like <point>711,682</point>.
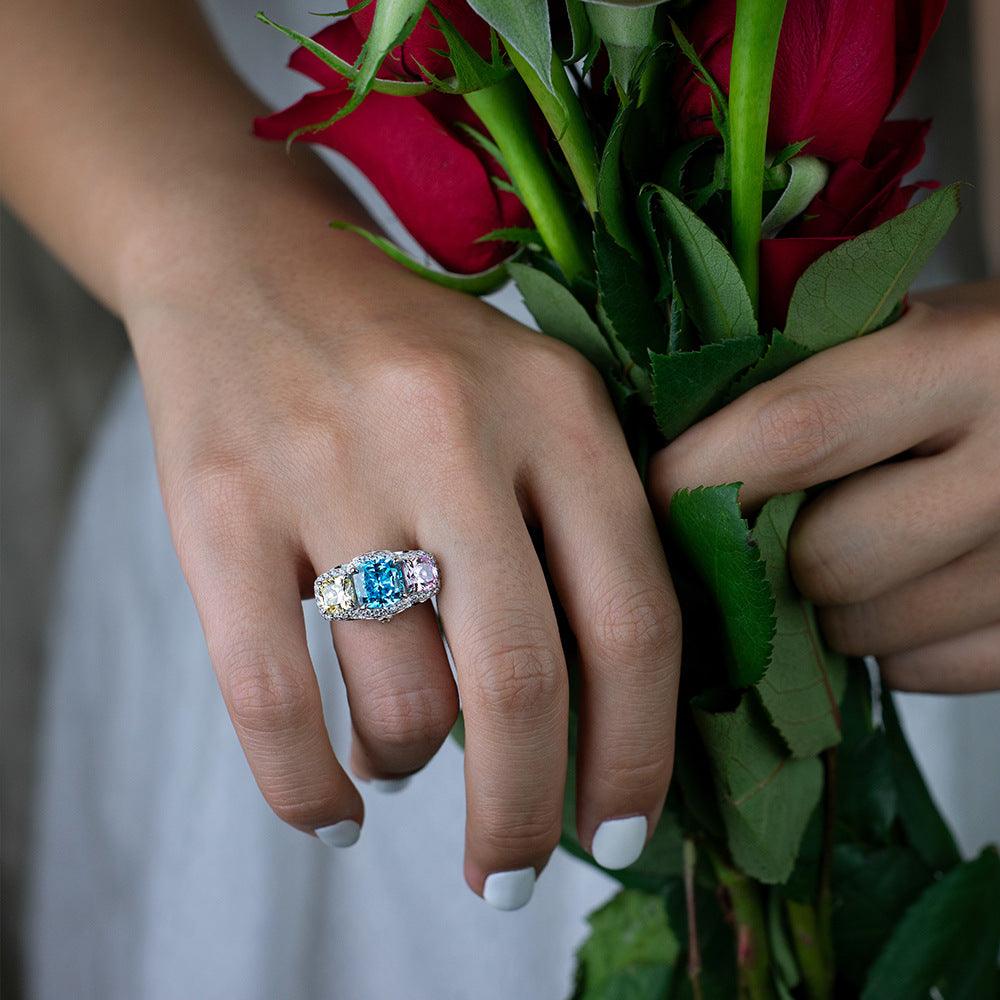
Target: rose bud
<point>435,178</point>
<point>841,66</point>
<point>859,195</point>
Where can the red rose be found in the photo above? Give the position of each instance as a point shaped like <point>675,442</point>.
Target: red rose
<point>841,66</point>
<point>435,178</point>
<point>859,195</point>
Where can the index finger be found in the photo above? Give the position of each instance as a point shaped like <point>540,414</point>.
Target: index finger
<point>844,409</point>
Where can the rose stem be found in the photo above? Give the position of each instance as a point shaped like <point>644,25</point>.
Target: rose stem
<point>753,958</point>
<point>755,44</point>
<point>565,116</point>
<point>694,952</point>
<point>504,111</point>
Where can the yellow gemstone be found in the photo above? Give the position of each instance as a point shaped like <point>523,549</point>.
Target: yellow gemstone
<point>337,594</point>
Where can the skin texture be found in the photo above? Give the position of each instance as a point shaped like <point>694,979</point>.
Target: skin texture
<point>275,354</point>
<point>310,400</point>
<point>903,559</point>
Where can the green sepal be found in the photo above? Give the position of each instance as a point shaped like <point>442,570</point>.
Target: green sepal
<point>471,71</point>
<point>481,283</point>
<point>396,88</point>
<point>524,26</point>
<point>708,526</point>
<point>807,177</point>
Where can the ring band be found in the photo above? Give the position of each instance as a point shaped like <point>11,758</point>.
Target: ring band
<point>377,585</point>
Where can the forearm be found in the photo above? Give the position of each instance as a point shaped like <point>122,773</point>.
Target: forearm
<point>127,148</point>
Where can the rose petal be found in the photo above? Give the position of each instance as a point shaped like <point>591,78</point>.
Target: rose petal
<point>437,186</point>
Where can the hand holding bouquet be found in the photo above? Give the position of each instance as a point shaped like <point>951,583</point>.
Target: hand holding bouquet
<point>698,198</point>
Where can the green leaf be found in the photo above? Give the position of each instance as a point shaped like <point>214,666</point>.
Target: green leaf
<point>867,801</point>
<point>560,315</point>
<point>808,178</point>
<point>946,944</point>
<point>514,234</point>
<point>627,299</point>
<point>397,88</point>
<point>581,35</point>
<point>767,797</point>
<point>709,281</point>
<point>611,184</point>
<point>925,827</point>
<point>677,161</point>
<point>481,283</point>
<point>688,385</point>
<point>852,289</point>
<point>781,354</point>
<point>872,890</point>
<point>804,681</point>
<point>524,26</point>
<point>631,951</point>
<point>866,806</point>
<point>708,526</point>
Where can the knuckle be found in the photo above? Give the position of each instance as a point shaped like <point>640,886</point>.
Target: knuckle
<point>300,808</point>
<point>265,700</point>
<point>638,770</point>
<point>215,500</point>
<point>823,575</point>
<point>801,429</point>
<point>519,670</point>
<point>403,717</point>
<point>522,836</point>
<point>642,621</point>
<point>436,395</point>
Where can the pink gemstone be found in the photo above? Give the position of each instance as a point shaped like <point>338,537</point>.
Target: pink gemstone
<point>420,574</point>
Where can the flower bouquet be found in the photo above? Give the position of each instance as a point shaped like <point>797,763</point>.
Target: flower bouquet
<point>697,196</point>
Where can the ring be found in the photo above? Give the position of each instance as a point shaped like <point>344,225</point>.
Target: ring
<point>377,585</point>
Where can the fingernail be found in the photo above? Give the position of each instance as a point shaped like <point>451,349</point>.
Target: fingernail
<point>342,834</point>
<point>509,890</point>
<point>619,842</point>
<point>389,785</point>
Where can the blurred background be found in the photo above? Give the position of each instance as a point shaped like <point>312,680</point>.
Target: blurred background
<point>61,353</point>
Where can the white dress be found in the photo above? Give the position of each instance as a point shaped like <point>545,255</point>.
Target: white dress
<point>160,873</point>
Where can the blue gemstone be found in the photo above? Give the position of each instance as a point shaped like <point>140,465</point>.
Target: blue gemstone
<point>379,583</point>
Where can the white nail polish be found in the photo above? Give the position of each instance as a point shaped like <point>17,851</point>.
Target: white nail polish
<point>389,785</point>
<point>342,834</point>
<point>509,890</point>
<point>618,842</point>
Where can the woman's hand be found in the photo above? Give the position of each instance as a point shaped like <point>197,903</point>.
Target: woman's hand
<point>305,412</point>
<point>902,553</point>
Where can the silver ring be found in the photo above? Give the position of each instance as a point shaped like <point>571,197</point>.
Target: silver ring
<point>377,585</point>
